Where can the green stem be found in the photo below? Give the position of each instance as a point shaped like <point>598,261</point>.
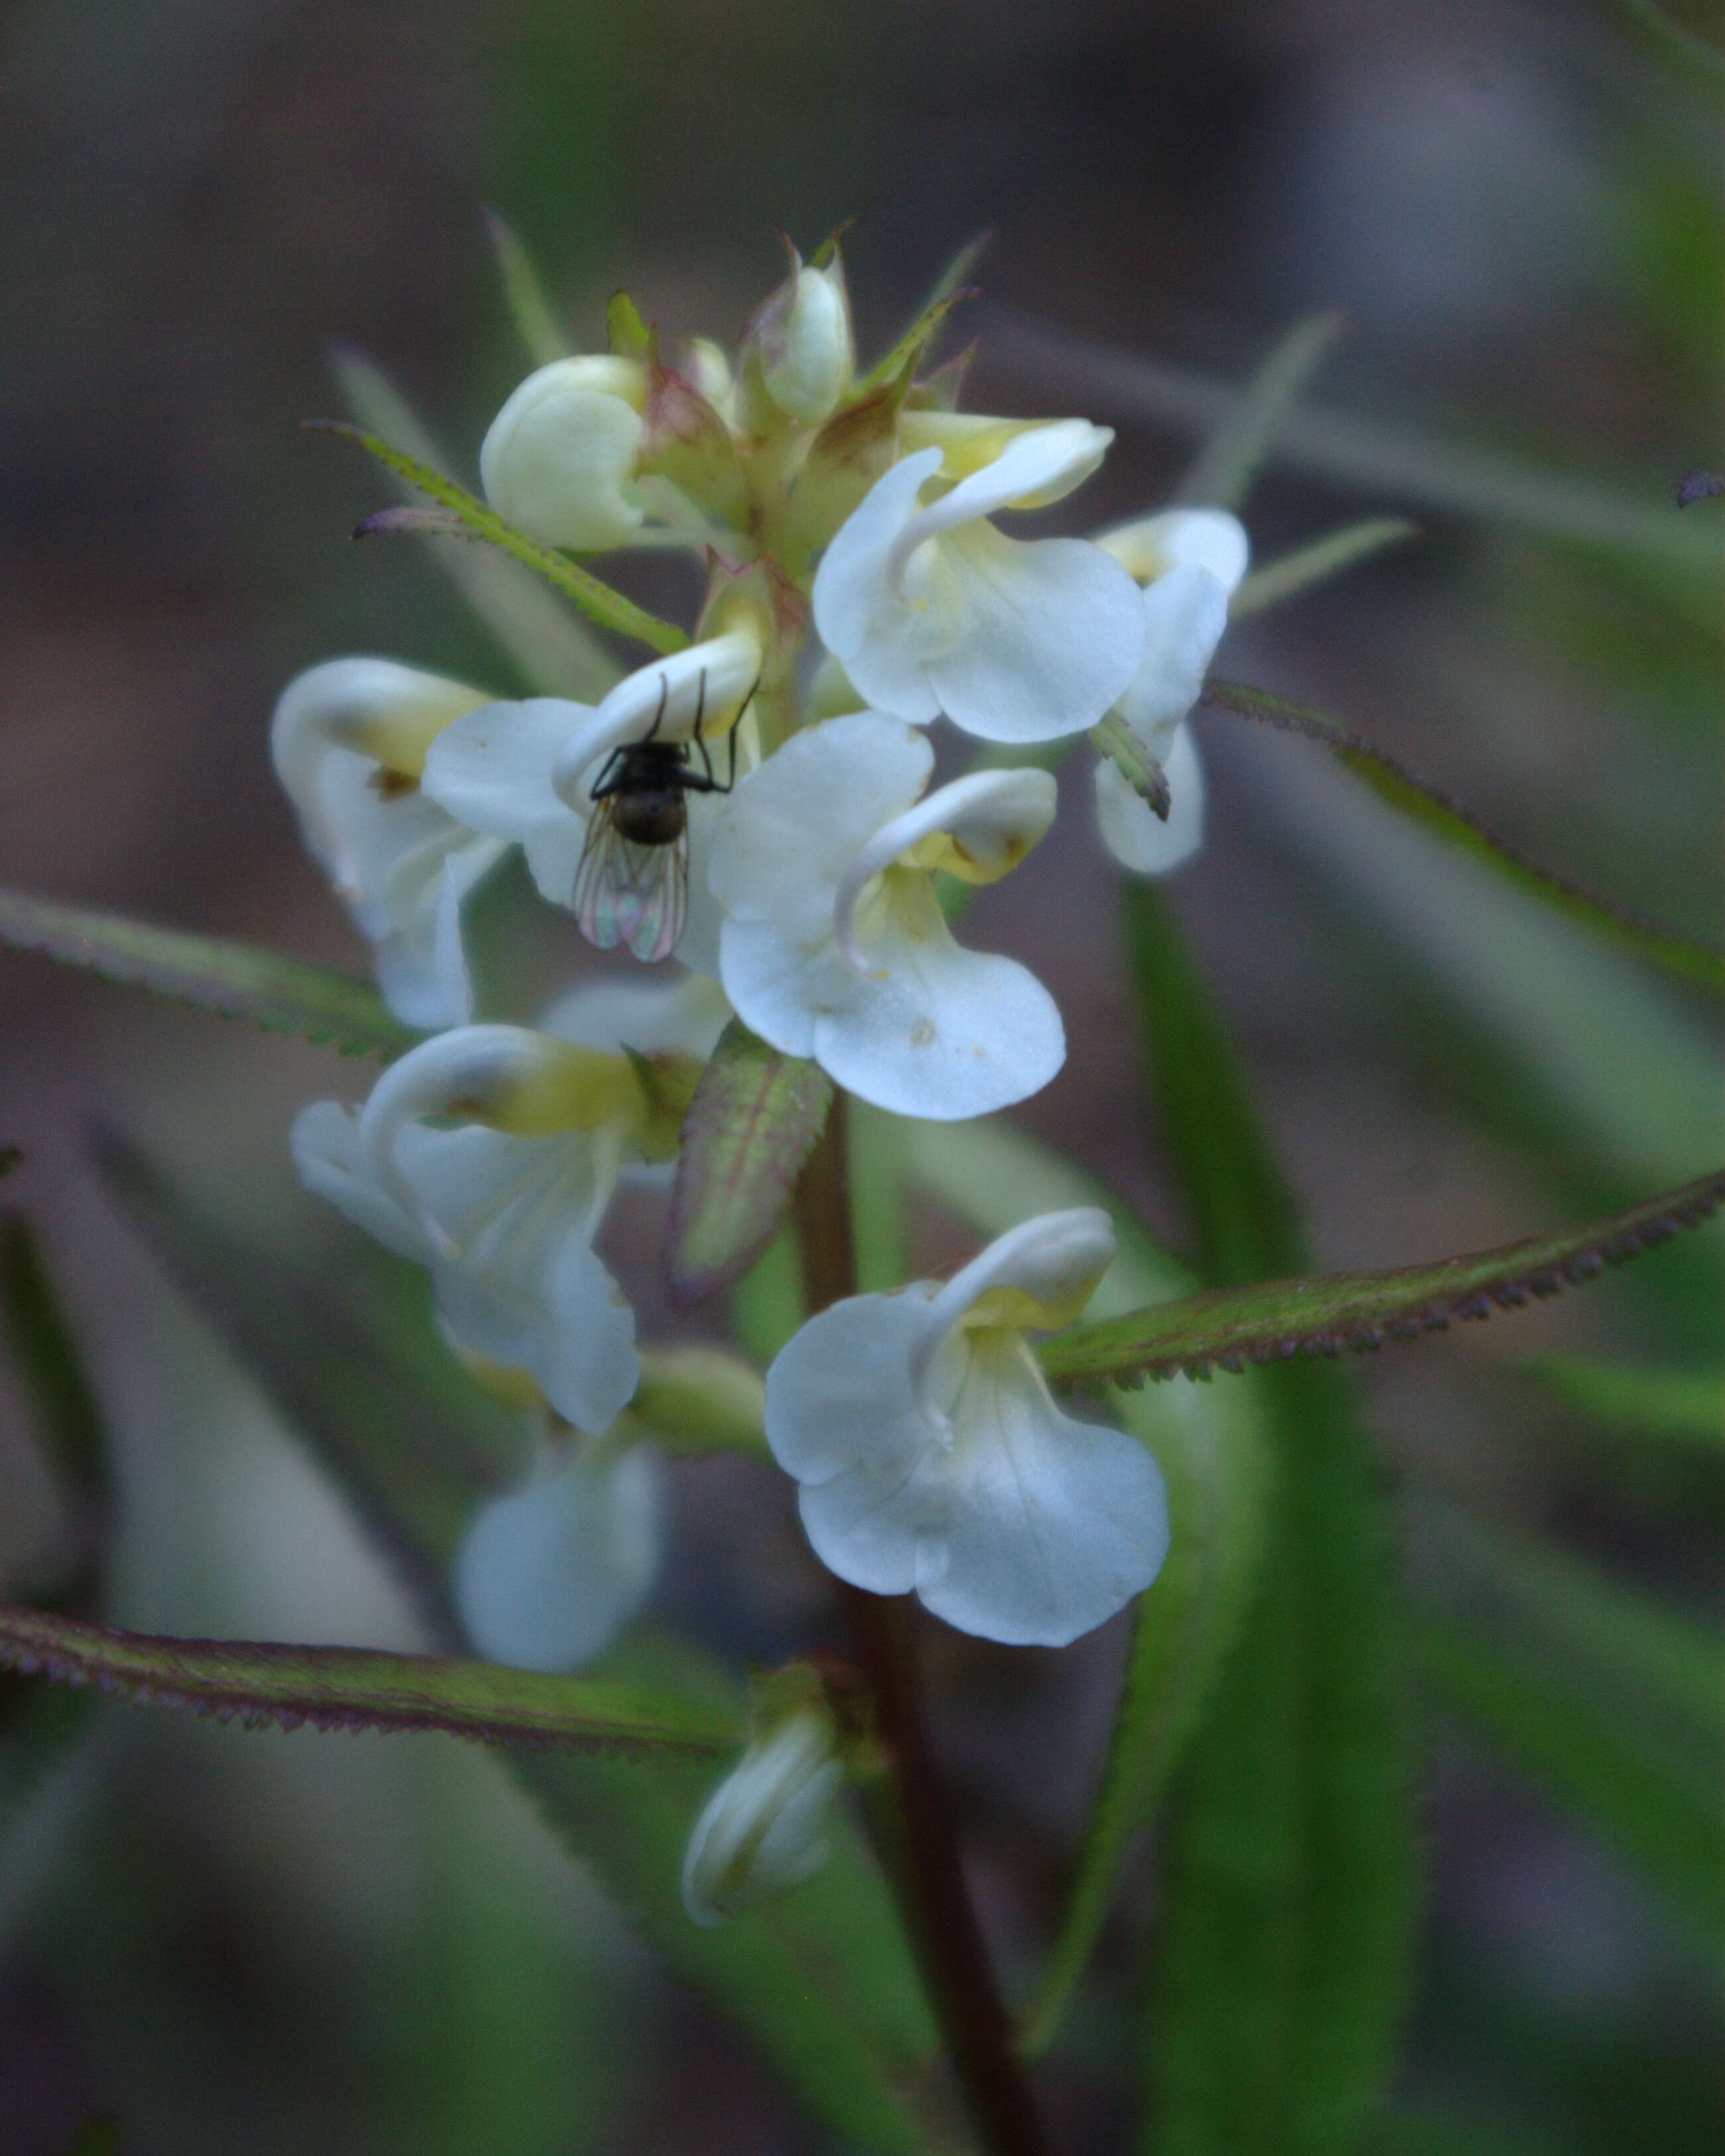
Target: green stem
<point>918,1837</point>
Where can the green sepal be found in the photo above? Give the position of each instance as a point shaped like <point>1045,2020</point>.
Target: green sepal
<point>751,1124</point>
<point>626,332</point>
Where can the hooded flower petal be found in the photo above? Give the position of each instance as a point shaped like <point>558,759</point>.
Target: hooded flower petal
<point>833,945</point>
<point>504,1220</point>
<point>933,1456</point>
<point>560,457</point>
<point>1181,538</point>
<point>1133,831</point>
<point>549,1573</point>
<point>929,609</point>
<point>349,738</point>
<point>761,1832</point>
<point>1192,558</point>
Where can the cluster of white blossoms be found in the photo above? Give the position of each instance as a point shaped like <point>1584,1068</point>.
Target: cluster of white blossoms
<point>759,813</point>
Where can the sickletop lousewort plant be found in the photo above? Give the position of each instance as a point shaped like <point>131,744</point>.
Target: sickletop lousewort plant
<point>757,814</point>
<point>770,825</point>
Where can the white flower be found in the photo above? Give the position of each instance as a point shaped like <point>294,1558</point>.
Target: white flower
<point>549,1572</point>
<point>1190,560</point>
<point>349,740</point>
<point>930,609</point>
<point>761,1832</point>
<point>933,1456</point>
<point>504,1208</point>
<point>523,772</point>
<point>833,944</point>
<point>559,458</point>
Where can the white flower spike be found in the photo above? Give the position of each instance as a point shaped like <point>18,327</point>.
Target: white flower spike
<point>1190,560</point>
<point>929,609</point>
<point>933,1460</point>
<point>524,772</point>
<point>504,1208</point>
<point>760,1833</point>
<point>833,945</point>
<point>349,741</point>
<point>559,461</point>
<point>549,1572</point>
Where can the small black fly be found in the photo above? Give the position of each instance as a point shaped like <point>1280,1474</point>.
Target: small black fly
<point>632,887</point>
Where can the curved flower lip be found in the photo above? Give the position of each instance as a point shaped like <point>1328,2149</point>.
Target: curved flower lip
<point>550,1571</point>
<point>1001,814</point>
<point>1033,470</point>
<point>1041,1274</point>
<point>705,682</point>
<point>473,1070</point>
<point>1209,539</point>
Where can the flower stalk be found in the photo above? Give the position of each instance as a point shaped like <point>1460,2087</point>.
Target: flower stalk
<point>909,1813</point>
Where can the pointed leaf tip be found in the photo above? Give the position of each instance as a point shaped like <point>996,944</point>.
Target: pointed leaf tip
<point>1273,1320</point>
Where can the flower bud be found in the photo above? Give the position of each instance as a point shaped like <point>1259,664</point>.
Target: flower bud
<point>798,356</point>
<point>760,1833</point>
<point>561,455</point>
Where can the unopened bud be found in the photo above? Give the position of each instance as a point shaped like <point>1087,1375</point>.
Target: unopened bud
<point>762,1830</point>
<point>561,455</point>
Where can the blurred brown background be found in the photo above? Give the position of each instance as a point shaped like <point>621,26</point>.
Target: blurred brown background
<point>1517,206</point>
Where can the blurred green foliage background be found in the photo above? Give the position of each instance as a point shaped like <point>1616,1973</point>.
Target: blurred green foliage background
<point>289,1944</point>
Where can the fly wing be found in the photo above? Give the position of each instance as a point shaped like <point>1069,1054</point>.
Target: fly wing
<point>658,902</point>
<point>629,893</point>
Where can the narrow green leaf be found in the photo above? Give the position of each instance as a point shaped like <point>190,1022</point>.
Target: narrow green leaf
<point>1209,1447</point>
<point>596,598</point>
<point>64,1416</point>
<point>1229,462</point>
<point>40,1730</point>
<point>1439,812</point>
<point>1305,567</point>
<point>1700,62</point>
<point>536,322</point>
<point>755,1117</point>
<point>1665,1817</point>
<point>949,288</point>
<point>234,980</point>
<point>261,1683</point>
<point>412,1456</point>
<point>877,1168</point>
<point>1653,1666</point>
<point>555,651</point>
<point>1288,1892</point>
<point>1273,1319</point>
<point>1349,449</point>
<point>823,1980</point>
<point>1688,1406</point>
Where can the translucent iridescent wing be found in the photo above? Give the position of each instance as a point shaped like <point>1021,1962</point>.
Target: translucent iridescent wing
<point>632,894</point>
